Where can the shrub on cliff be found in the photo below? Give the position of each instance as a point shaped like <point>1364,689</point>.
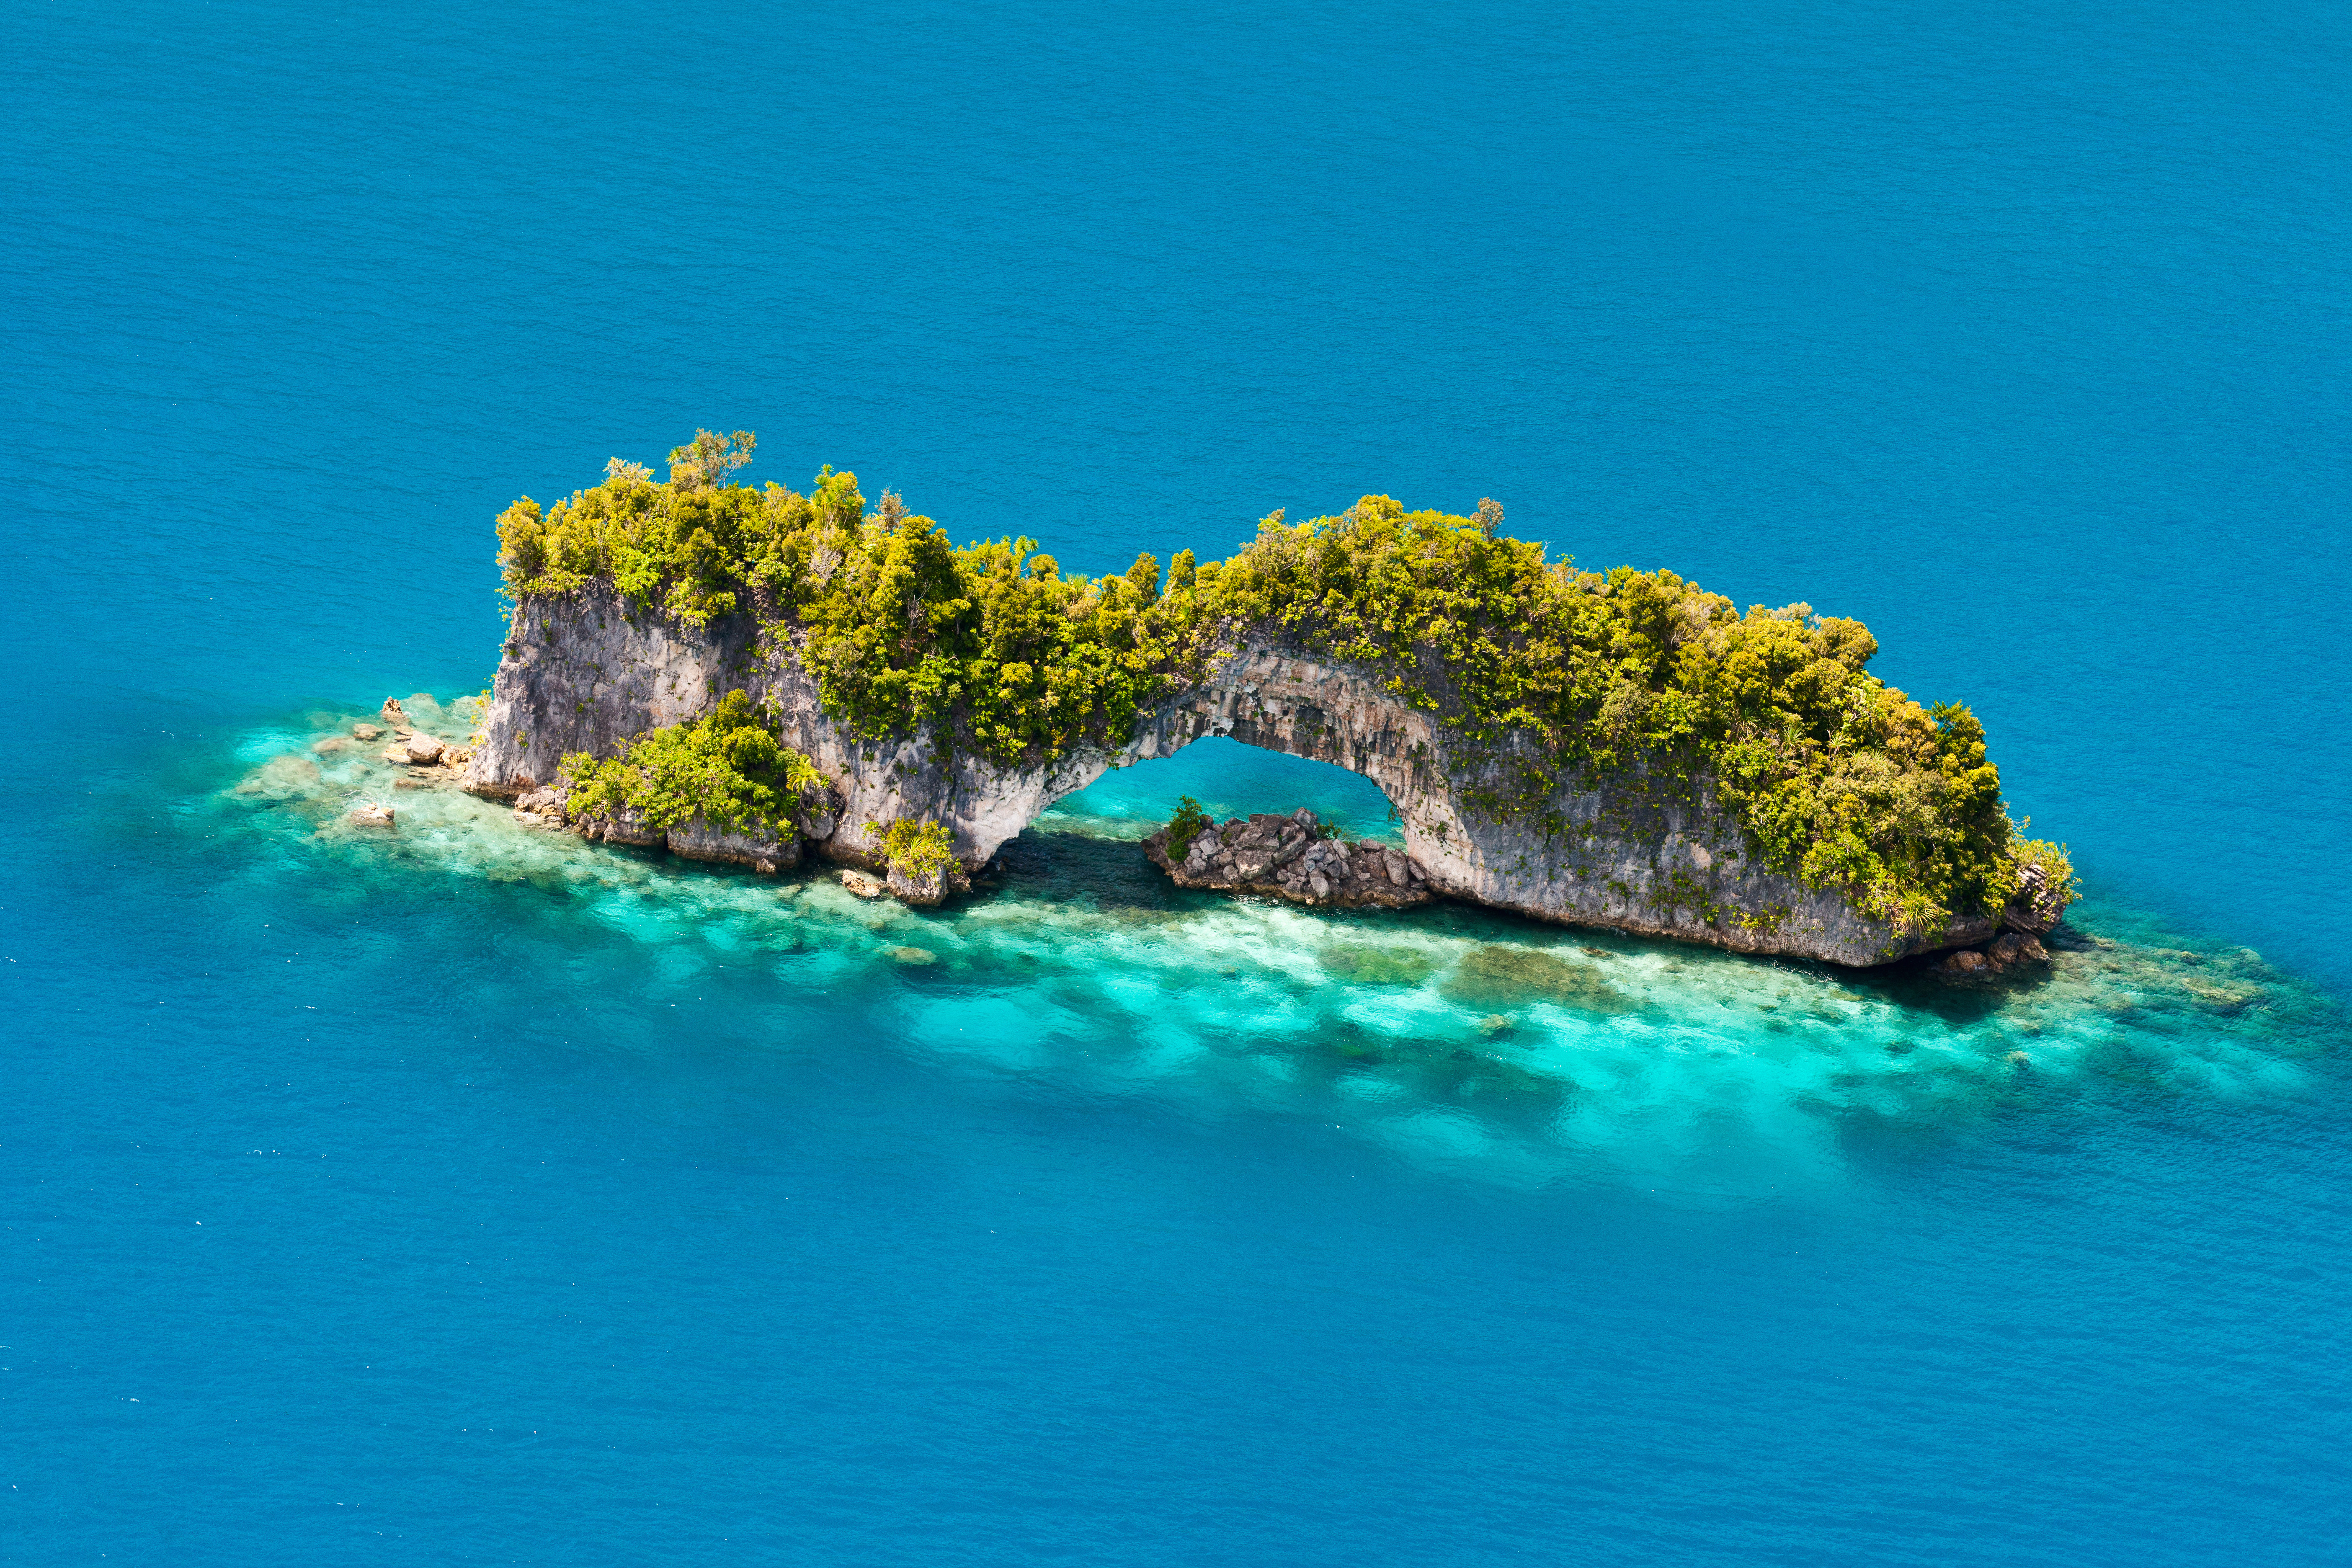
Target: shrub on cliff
<point>900,628</point>
<point>916,848</point>
<point>1189,823</point>
<point>727,764</point>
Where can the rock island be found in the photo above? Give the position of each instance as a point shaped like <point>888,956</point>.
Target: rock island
<point>756,675</point>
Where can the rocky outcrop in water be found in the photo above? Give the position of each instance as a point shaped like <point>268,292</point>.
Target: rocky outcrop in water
<point>926,889</point>
<point>696,838</point>
<point>1289,857</point>
<point>582,673</point>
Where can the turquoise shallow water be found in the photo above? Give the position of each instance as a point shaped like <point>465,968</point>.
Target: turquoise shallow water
<point>1492,1048</point>
<point>483,1196</point>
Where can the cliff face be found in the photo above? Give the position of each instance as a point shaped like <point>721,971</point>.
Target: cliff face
<point>578,674</point>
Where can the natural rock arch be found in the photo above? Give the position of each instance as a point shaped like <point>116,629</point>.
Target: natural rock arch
<point>581,673</point>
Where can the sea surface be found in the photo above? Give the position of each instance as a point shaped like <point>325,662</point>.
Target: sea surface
<point>476,1196</point>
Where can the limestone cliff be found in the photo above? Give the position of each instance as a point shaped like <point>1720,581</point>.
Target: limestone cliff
<point>581,674</point>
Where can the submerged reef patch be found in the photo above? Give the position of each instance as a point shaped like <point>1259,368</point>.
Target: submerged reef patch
<point>1498,974</point>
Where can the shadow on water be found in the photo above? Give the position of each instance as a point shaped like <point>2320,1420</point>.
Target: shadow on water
<point>1077,869</point>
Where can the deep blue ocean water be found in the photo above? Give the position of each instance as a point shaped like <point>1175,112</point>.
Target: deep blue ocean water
<point>488,1198</point>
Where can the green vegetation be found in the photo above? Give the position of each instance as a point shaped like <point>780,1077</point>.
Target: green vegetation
<point>900,628</point>
<point>916,848</point>
<point>727,764</point>
<point>1189,823</point>
<point>1837,778</point>
<point>1538,668</point>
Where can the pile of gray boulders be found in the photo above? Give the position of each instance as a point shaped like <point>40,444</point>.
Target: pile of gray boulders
<point>431,761</point>
<point>1289,857</point>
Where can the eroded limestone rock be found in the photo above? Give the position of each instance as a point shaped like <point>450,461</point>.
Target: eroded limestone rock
<point>371,815</point>
<point>539,808</point>
<point>698,839</point>
<point>2037,907</point>
<point>582,672</point>
<point>623,827</point>
<point>924,889</point>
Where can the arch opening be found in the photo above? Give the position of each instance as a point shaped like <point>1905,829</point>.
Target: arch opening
<point>1229,778</point>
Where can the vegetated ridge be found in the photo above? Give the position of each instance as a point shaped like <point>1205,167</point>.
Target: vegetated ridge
<point>1543,673</point>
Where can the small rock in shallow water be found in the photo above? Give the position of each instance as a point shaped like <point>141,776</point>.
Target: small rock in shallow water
<point>411,784</point>
<point>864,886</point>
<point>372,816</point>
<point>1965,962</point>
<point>624,827</point>
<point>424,749</point>
<point>332,744</point>
<point>924,889</point>
<point>2012,947</point>
<point>367,732</point>
<point>914,955</point>
<point>393,712</point>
